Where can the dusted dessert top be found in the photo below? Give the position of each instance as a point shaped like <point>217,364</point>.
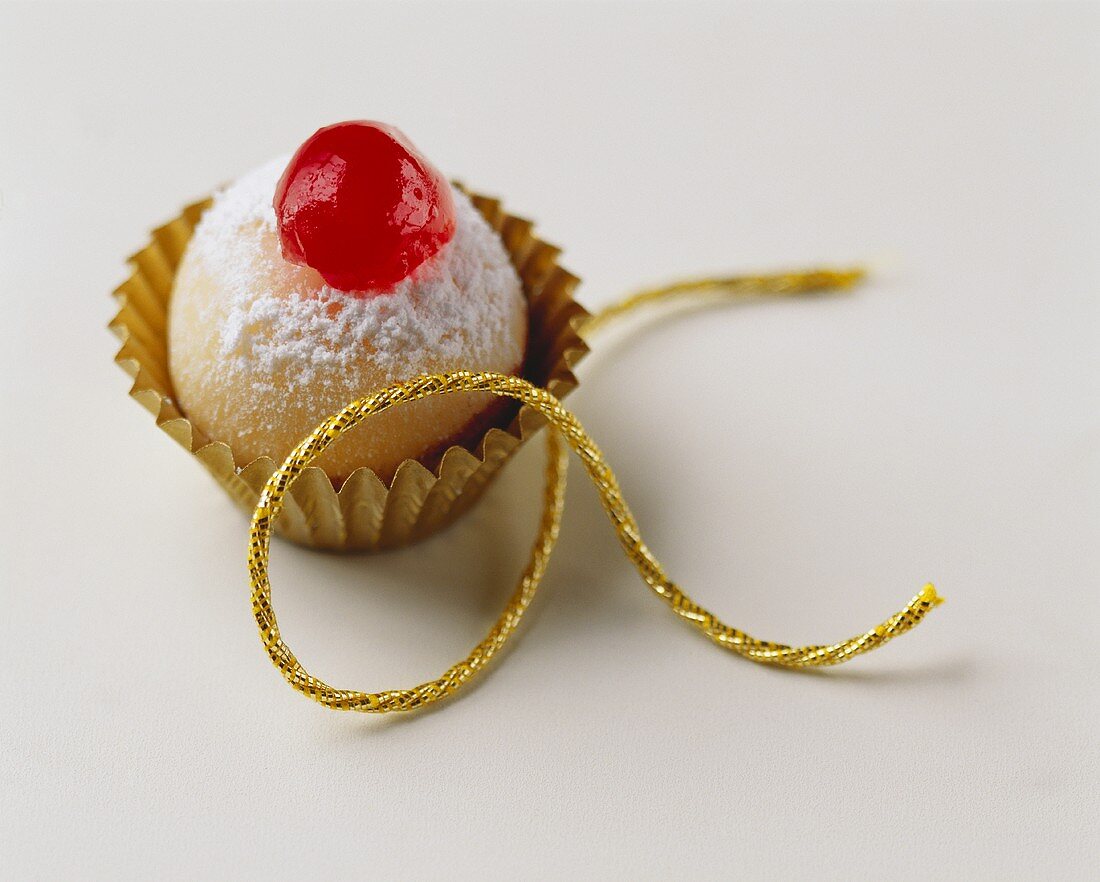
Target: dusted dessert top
<point>275,317</point>
<point>262,349</point>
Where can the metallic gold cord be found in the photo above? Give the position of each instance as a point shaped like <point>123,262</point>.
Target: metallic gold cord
<point>267,509</point>
<point>729,288</point>
<point>566,427</point>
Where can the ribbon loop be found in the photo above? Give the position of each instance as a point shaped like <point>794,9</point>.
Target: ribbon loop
<point>563,426</point>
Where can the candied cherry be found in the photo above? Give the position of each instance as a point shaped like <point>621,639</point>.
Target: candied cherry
<point>361,206</point>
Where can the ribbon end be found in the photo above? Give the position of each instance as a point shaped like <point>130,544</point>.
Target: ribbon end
<point>929,595</point>
<point>846,278</point>
<point>822,280</point>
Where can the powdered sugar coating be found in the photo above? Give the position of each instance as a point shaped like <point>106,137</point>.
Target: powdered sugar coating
<point>283,320</point>
<point>260,350</point>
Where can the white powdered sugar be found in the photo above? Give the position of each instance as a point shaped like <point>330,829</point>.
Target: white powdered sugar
<point>276,322</point>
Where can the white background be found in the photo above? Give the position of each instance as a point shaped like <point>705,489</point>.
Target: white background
<point>800,467</point>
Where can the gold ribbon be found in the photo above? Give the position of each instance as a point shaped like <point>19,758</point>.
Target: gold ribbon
<point>564,426</point>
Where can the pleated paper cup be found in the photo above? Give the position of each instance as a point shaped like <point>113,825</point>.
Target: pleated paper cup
<point>366,513</point>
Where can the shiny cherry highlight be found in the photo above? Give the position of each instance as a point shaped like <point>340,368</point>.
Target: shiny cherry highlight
<point>361,206</point>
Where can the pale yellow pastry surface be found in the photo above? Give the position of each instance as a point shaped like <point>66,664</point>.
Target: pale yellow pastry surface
<point>260,350</point>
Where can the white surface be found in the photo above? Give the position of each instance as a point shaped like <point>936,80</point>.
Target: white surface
<point>831,456</point>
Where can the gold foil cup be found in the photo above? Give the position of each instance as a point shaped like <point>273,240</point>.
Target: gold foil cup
<point>366,514</point>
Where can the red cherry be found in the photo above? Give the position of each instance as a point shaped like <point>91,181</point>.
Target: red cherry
<point>361,206</point>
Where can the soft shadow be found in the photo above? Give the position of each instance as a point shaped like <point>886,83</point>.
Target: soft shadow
<point>953,671</point>
<point>586,549</point>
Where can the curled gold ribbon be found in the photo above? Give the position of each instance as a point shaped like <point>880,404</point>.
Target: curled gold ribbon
<point>564,426</point>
